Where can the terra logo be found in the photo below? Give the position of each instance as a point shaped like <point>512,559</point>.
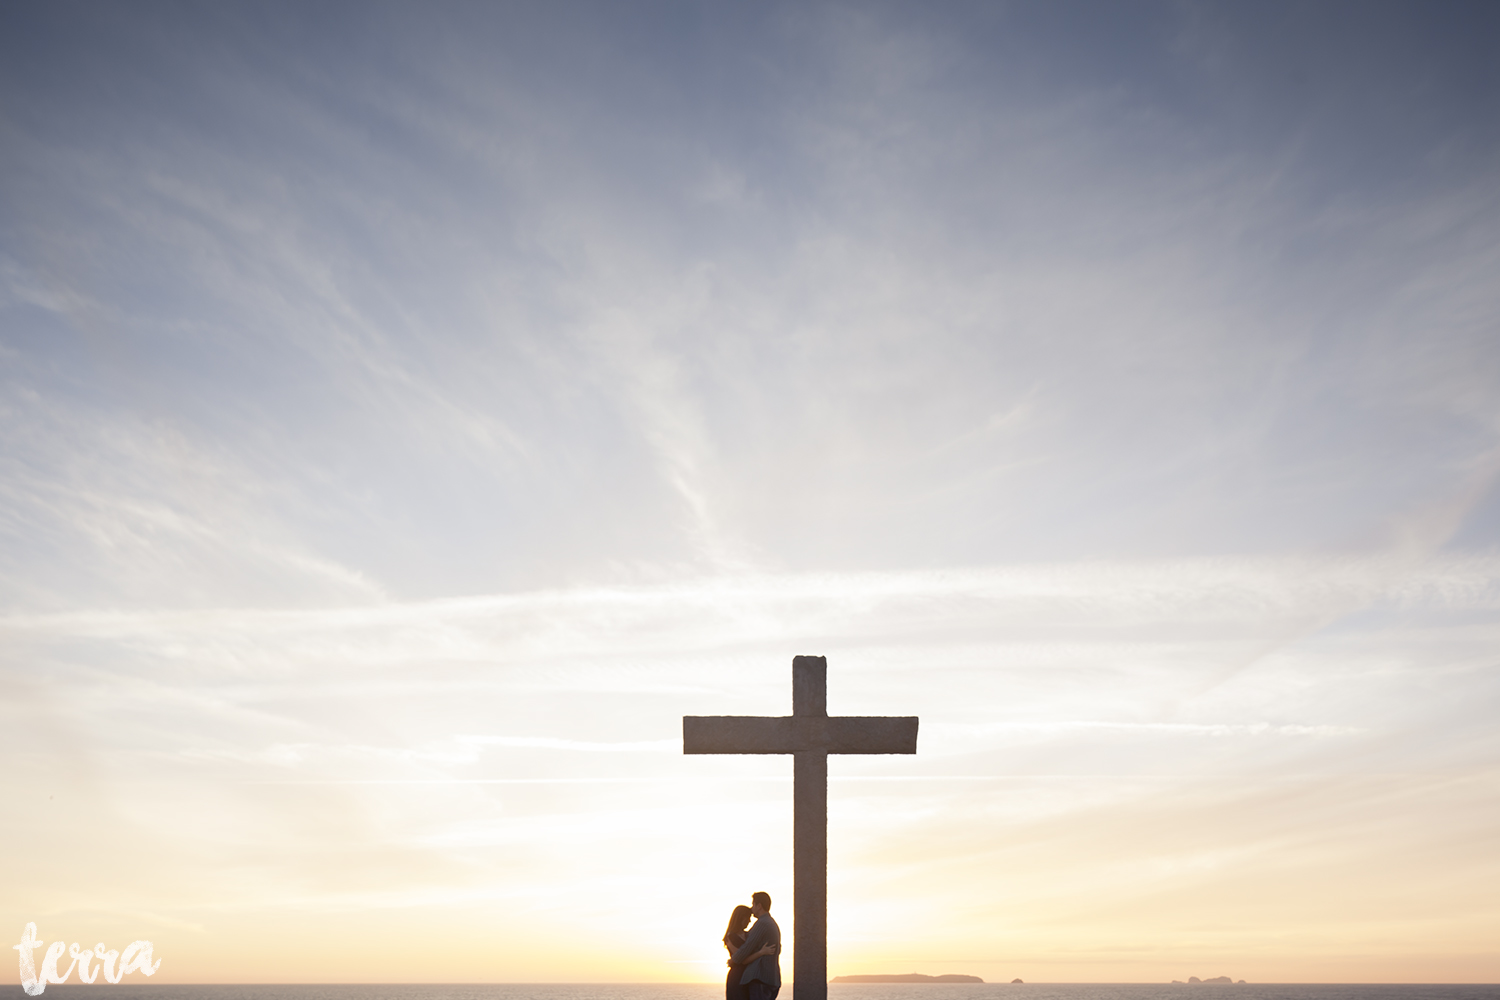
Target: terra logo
<point>135,958</point>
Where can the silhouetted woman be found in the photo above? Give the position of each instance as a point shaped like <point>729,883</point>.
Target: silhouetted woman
<point>734,936</point>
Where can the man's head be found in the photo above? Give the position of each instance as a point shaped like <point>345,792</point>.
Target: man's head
<point>760,902</point>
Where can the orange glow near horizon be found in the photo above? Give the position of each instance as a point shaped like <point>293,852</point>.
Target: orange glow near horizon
<point>552,830</point>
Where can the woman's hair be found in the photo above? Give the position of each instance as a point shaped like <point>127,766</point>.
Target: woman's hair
<point>738,921</point>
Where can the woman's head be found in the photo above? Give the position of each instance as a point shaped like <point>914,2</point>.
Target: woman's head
<point>738,921</point>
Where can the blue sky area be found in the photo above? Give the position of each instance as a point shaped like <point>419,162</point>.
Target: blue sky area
<point>416,392</point>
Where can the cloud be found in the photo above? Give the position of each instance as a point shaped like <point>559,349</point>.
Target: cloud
<point>410,418</point>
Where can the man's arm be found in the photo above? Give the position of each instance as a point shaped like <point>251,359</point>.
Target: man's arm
<point>753,943</point>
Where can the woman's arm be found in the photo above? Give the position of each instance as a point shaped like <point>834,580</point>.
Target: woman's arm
<point>770,949</point>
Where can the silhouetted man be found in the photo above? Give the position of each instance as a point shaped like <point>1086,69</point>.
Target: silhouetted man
<point>762,977</point>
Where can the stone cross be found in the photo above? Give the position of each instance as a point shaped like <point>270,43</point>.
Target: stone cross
<point>809,734</point>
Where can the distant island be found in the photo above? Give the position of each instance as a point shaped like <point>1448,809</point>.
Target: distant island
<point>1217,980</point>
<point>910,977</point>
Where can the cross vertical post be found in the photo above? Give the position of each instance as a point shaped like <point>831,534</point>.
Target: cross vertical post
<point>809,734</point>
<point>810,832</point>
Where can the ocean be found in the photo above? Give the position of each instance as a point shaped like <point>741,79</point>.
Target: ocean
<point>836,991</point>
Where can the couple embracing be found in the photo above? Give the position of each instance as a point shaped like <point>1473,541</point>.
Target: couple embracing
<point>754,969</point>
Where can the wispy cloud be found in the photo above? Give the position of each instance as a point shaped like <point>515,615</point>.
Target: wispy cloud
<point>407,419</point>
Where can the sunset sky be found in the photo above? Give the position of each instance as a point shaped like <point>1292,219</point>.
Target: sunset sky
<point>410,412</point>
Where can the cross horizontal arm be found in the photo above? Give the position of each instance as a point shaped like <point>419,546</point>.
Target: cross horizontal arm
<point>737,734</point>
<point>794,733</point>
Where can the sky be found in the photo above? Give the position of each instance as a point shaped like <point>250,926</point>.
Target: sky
<point>409,412</point>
